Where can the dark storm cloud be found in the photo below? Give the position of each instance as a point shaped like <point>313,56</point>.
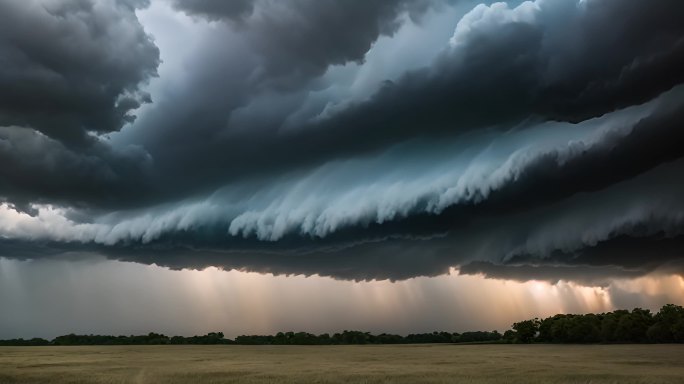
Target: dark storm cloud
<point>500,72</point>
<point>551,234</point>
<point>548,242</point>
<point>623,53</point>
<point>642,249</point>
<point>544,177</point>
<point>280,51</point>
<point>552,176</point>
<point>620,257</point>
<point>354,261</point>
<point>315,34</point>
<point>300,39</point>
<point>582,274</point>
<point>507,219</point>
<point>70,67</point>
<point>390,258</point>
<point>551,60</point>
<point>578,211</point>
<point>96,89</point>
<point>216,10</point>
<point>568,62</point>
<point>39,169</point>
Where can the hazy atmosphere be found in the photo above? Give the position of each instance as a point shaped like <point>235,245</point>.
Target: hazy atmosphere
<point>255,166</point>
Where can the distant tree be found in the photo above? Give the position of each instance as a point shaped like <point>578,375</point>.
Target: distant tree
<point>526,330</point>
<point>677,330</point>
<point>24,343</point>
<point>668,326</point>
<point>561,328</point>
<point>479,336</point>
<point>609,324</point>
<point>509,336</point>
<point>584,329</point>
<point>632,327</point>
<point>620,326</point>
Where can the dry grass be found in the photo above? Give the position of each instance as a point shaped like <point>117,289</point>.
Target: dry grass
<point>345,364</point>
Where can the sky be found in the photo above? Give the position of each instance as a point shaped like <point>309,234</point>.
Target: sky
<point>255,166</point>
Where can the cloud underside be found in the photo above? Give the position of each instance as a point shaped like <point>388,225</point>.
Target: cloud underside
<point>542,141</point>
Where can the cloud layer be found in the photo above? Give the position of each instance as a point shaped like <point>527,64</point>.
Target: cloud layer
<point>540,139</point>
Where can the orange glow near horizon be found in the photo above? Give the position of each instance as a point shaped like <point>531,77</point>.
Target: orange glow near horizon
<point>267,302</point>
<point>137,298</point>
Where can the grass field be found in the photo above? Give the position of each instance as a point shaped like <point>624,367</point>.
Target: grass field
<point>345,364</point>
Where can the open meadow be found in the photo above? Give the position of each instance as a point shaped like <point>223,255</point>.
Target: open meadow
<point>344,364</point>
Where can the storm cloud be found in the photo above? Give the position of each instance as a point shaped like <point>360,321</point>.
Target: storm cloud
<point>539,140</point>
<point>213,10</point>
<point>502,66</point>
<point>73,67</point>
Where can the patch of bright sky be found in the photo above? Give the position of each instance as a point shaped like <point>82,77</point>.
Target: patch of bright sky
<point>52,297</point>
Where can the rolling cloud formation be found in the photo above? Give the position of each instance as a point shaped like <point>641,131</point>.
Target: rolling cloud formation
<point>374,140</point>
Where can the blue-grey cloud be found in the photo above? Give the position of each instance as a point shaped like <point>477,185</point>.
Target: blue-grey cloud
<point>544,134</point>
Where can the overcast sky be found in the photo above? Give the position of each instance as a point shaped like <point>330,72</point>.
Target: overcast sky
<point>385,158</point>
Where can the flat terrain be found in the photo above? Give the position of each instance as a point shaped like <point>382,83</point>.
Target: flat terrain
<point>345,364</point>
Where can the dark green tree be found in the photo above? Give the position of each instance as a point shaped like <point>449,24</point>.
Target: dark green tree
<point>525,331</point>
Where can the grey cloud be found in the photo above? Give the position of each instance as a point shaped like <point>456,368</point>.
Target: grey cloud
<point>507,66</point>
<point>435,196</point>
<point>627,229</point>
<point>206,185</point>
<point>503,72</point>
<point>622,257</point>
<point>216,10</point>
<point>38,169</point>
<point>585,275</point>
<point>70,67</point>
<point>300,39</point>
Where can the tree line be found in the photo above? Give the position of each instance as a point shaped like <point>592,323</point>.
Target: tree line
<point>149,339</point>
<point>358,337</point>
<point>620,326</point>
<point>281,338</point>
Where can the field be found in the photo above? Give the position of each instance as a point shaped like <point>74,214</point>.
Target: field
<point>345,364</point>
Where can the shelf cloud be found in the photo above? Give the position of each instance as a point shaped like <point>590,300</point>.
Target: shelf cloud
<point>535,140</point>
